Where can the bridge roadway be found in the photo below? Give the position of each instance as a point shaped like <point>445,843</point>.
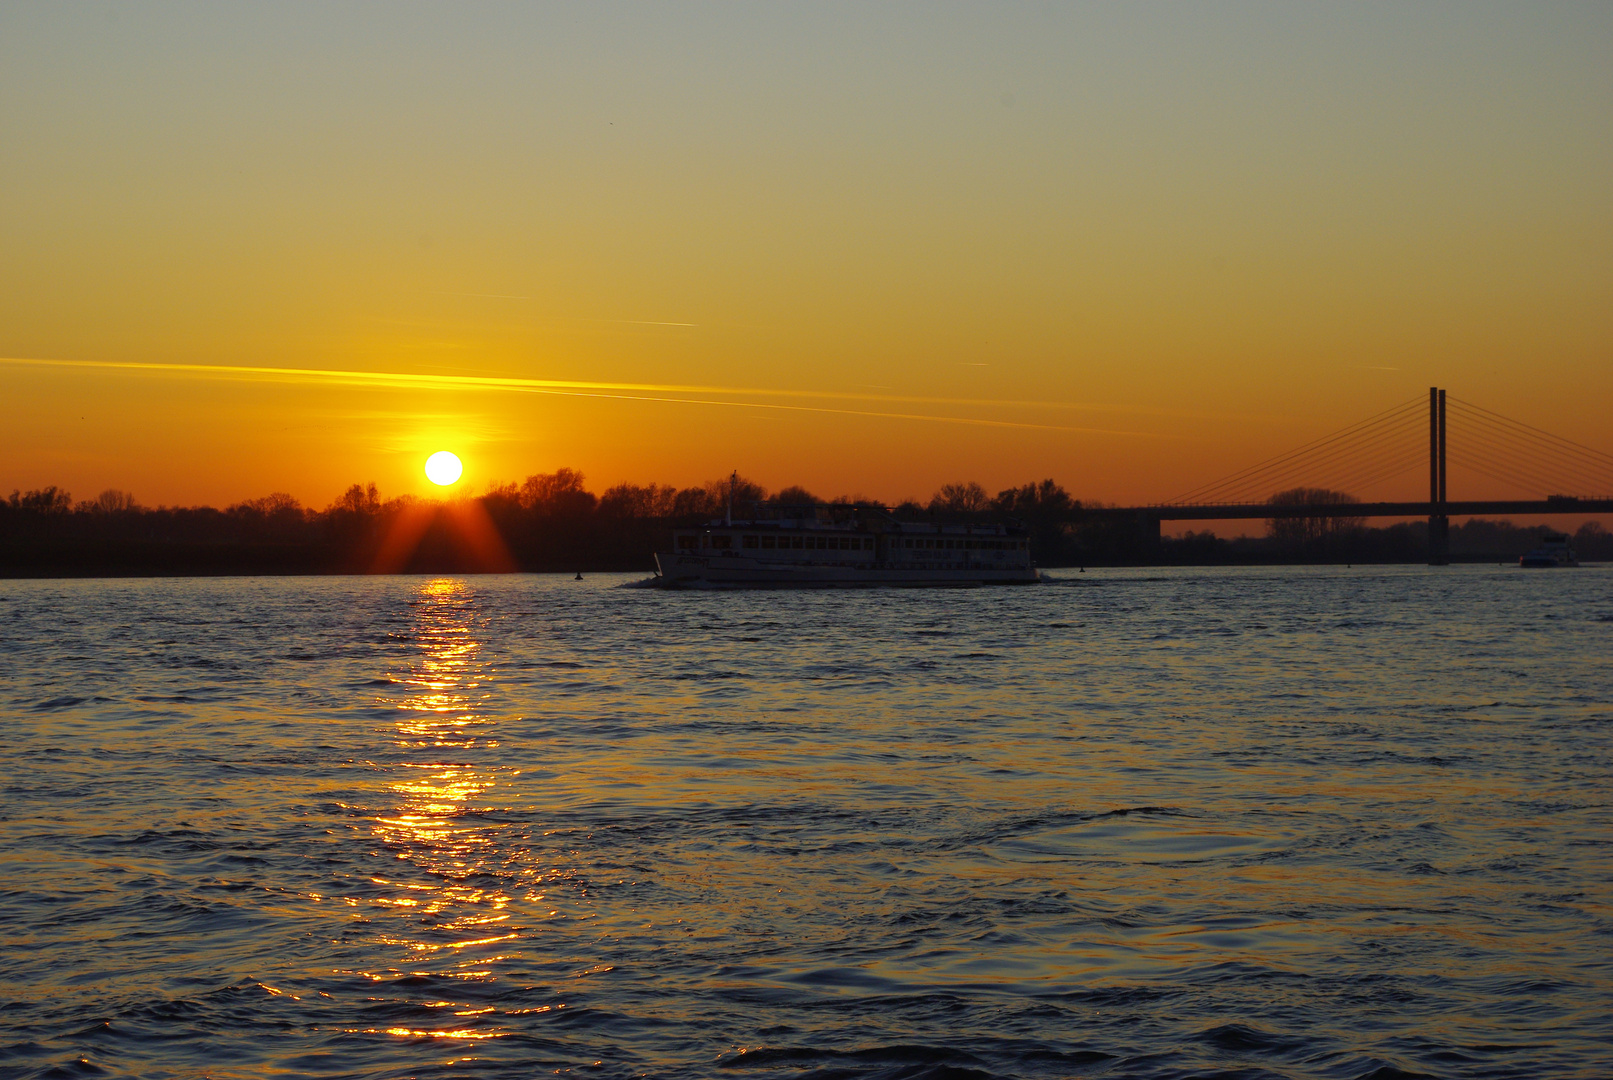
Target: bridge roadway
<point>1228,511</point>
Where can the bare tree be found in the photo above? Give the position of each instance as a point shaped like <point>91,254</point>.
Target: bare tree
<point>1311,528</point>
<point>110,501</point>
<point>969,497</point>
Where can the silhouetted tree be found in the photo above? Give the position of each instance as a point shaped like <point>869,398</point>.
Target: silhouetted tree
<point>697,502</point>
<point>639,502</point>
<point>967,497</point>
<point>557,494</point>
<point>46,500</point>
<point>745,493</point>
<point>1308,531</point>
<point>1592,541</point>
<point>110,501</point>
<point>1036,502</point>
<point>359,499</point>
<point>1047,510</point>
<point>278,516</point>
<point>795,495</point>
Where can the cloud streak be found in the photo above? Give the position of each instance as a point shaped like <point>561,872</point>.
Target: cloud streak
<point>672,393</point>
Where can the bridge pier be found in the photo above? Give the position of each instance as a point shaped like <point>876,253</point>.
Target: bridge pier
<point>1439,540</point>
<point>1148,540</point>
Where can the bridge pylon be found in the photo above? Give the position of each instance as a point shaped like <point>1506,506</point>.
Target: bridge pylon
<point>1439,523</point>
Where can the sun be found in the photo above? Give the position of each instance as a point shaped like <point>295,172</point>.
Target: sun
<point>443,468</point>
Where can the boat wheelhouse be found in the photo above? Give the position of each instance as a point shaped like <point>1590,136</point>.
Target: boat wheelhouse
<point>839,546</point>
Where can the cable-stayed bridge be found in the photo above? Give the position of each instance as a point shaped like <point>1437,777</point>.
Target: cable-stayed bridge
<point>1564,476</point>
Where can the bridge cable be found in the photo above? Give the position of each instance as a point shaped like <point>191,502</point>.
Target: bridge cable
<point>1344,441</point>
<point>1522,468</point>
<point>1349,433</point>
<point>1528,451</point>
<point>1581,447</point>
<point>1385,441</point>
<point>1522,462</point>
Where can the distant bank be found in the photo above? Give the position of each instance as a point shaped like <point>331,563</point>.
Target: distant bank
<point>551,523</point>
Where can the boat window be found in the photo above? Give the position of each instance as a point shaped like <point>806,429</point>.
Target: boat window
<point>768,541</point>
<point>722,541</point>
<point>750,541</point>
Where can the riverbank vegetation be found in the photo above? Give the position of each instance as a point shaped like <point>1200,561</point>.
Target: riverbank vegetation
<point>553,522</point>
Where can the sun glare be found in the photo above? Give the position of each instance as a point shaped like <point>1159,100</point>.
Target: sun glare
<point>443,468</point>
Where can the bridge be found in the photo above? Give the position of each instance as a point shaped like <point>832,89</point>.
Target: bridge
<point>1387,446</point>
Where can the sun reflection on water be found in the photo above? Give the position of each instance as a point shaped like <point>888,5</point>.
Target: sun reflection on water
<point>447,899</point>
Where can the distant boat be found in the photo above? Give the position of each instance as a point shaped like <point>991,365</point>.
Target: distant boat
<point>843,547</point>
<point>1554,550</point>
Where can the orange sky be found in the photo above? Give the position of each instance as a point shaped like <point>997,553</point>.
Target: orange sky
<point>1131,247</point>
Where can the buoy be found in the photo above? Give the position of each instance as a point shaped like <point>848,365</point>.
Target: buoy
<point>578,577</point>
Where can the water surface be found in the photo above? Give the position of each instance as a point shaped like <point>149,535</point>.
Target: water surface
<point>1240,823</point>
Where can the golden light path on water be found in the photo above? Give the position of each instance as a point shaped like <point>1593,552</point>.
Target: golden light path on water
<point>436,797</point>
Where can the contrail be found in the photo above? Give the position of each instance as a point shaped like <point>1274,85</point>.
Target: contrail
<point>583,388</point>
<point>840,412</point>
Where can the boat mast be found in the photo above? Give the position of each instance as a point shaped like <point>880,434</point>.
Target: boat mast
<point>731,481</point>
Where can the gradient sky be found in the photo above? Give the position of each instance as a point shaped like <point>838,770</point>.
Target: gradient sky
<point>1129,246</point>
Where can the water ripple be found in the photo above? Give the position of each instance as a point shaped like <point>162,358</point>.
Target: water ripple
<point>1229,823</point>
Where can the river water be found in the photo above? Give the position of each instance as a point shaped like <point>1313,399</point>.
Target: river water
<point>1228,822</point>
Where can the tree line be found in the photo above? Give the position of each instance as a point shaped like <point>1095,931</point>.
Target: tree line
<point>552,522</point>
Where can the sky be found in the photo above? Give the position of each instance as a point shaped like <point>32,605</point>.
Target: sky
<point>865,248</point>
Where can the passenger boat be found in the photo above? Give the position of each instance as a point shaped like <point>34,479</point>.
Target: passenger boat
<point>1554,550</point>
<point>839,546</point>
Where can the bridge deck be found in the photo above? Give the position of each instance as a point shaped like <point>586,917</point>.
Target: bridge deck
<point>1227,511</point>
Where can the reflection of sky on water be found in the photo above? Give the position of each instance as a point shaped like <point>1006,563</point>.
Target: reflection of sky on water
<point>389,826</point>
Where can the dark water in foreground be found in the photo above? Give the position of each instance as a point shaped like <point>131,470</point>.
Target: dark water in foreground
<point>1298,823</point>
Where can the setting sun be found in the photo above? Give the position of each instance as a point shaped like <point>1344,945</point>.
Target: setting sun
<point>443,468</point>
